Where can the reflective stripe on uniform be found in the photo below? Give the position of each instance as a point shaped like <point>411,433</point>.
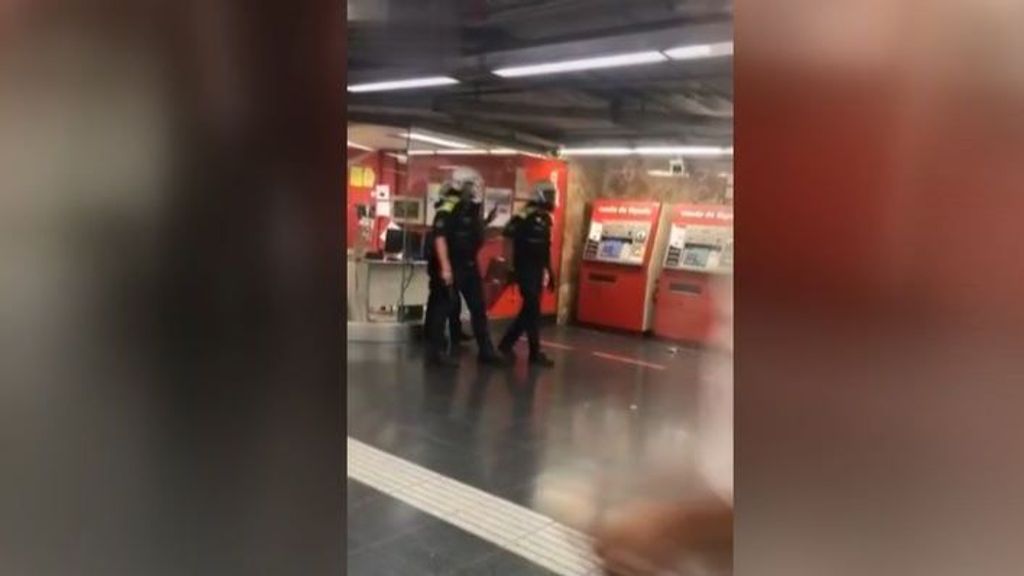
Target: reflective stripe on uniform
<point>448,206</point>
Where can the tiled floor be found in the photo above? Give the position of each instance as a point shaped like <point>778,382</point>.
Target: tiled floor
<point>387,537</point>
<point>565,442</point>
<point>525,532</point>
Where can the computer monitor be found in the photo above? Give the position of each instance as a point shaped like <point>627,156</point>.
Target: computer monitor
<point>407,243</point>
<point>394,241</point>
<point>413,245</point>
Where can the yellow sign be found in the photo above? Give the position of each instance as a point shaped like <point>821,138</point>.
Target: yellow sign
<point>362,177</point>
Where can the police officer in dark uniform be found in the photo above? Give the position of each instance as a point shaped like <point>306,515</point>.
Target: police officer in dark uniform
<point>442,279</point>
<point>530,236</point>
<point>456,238</point>
<point>455,331</point>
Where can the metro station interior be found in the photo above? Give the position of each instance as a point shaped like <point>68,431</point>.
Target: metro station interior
<point>626,108</point>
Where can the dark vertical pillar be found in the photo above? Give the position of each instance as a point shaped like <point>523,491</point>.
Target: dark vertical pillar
<point>172,199</point>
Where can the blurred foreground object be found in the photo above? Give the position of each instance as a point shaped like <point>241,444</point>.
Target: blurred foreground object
<point>878,410</point>
<point>692,537</point>
<point>169,288</point>
<point>655,539</point>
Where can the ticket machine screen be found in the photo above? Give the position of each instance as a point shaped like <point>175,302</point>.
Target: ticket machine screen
<point>696,256</point>
<point>700,248</point>
<point>610,249</point>
<point>618,242</point>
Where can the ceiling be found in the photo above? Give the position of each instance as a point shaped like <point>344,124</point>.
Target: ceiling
<point>665,103</point>
<point>377,137</point>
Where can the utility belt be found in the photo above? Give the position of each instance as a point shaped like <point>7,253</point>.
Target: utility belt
<point>529,266</point>
<point>434,266</point>
<point>528,254</point>
<point>527,242</point>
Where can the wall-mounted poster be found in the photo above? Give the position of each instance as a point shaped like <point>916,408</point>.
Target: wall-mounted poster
<point>361,177</point>
<point>500,198</point>
<point>433,195</point>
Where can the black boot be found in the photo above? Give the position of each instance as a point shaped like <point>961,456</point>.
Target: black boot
<point>508,352</point>
<point>541,360</point>
<point>440,360</point>
<point>491,358</point>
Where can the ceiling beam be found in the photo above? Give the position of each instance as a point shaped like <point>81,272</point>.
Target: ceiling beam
<point>630,106</point>
<point>495,135</point>
<point>479,66</point>
<point>593,13</point>
<point>630,116</point>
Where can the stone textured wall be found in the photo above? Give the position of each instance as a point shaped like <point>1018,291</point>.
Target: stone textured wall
<point>627,178</point>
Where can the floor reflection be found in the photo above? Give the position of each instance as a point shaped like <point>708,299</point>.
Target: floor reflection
<point>569,442</point>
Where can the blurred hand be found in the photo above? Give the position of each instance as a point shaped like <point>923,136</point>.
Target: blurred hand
<point>446,275</point>
<point>547,280</point>
<point>651,539</point>
<point>638,542</point>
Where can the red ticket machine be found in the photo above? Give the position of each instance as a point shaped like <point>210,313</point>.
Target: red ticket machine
<point>700,245</point>
<point>621,258</point>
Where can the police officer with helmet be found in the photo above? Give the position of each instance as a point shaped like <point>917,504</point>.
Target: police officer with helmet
<point>456,237</point>
<point>529,234</point>
<point>455,332</point>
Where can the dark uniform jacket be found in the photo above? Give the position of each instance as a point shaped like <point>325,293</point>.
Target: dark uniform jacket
<point>460,224</point>
<point>530,231</point>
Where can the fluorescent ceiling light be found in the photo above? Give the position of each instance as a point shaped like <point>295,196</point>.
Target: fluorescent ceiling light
<point>403,84</point>
<point>664,174</point>
<point>475,152</point>
<point>466,152</point>
<point>615,61</point>
<point>435,140</point>
<point>514,152</point>
<point>698,51</point>
<point>478,152</point>
<point>650,151</point>
<point>597,151</point>
<point>358,146</point>
<point>683,151</point>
